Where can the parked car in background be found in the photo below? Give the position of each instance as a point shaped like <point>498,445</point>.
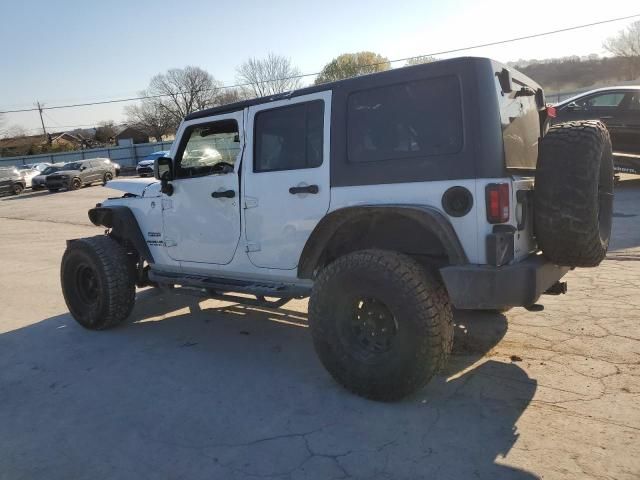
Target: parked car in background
<point>28,174</point>
<point>39,166</point>
<point>11,182</point>
<point>619,109</point>
<point>145,166</point>
<point>39,182</point>
<point>79,174</point>
<point>116,165</point>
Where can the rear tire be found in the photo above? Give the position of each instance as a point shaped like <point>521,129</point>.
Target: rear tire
<point>381,323</point>
<point>107,177</point>
<point>574,194</point>
<point>17,189</point>
<point>98,282</point>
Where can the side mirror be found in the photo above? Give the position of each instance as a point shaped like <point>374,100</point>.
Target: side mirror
<point>83,167</point>
<point>572,106</point>
<point>163,171</point>
<point>504,77</point>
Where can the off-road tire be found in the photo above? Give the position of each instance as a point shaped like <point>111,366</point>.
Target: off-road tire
<point>415,297</point>
<point>574,194</point>
<point>112,273</point>
<point>75,184</point>
<point>107,176</point>
<point>17,189</point>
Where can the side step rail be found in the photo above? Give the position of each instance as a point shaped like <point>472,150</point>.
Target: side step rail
<point>219,286</point>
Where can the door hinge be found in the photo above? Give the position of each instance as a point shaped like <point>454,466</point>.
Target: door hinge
<point>250,202</point>
<point>169,242</point>
<point>252,247</point>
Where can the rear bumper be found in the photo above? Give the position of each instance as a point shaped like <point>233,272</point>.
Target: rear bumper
<point>484,287</point>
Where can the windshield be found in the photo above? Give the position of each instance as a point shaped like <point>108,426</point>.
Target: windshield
<point>73,166</point>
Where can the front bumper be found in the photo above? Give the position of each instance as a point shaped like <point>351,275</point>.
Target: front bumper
<point>484,287</point>
<point>144,169</point>
<point>58,182</point>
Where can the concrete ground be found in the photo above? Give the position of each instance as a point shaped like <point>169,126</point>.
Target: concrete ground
<point>205,390</point>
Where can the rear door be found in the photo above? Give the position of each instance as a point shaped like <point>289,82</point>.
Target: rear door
<point>286,177</point>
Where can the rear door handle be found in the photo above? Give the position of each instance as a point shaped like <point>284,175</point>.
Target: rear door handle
<point>306,189</point>
<point>224,194</point>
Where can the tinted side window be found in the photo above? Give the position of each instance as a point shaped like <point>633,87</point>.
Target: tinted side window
<point>406,120</point>
<point>289,138</point>
<point>603,100</point>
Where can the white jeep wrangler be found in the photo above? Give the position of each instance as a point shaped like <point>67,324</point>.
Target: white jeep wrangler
<point>388,199</point>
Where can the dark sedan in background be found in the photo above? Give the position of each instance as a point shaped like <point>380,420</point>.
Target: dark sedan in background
<point>619,109</point>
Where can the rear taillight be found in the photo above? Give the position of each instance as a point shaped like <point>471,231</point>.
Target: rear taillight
<point>551,111</point>
<point>497,195</point>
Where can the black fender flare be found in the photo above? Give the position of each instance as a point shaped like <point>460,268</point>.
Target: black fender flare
<point>123,225</point>
<point>428,217</point>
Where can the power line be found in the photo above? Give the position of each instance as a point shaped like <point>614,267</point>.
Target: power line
<point>443,52</point>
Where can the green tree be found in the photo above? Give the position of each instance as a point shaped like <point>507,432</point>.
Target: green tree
<point>351,65</point>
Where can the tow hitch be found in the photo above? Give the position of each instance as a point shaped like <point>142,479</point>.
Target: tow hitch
<point>558,288</point>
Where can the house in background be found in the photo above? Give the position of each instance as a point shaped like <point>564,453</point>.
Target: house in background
<point>129,135</point>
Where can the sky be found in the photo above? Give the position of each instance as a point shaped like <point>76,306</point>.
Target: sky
<point>67,51</point>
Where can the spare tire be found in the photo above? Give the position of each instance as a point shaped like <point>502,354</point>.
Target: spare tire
<point>573,199</point>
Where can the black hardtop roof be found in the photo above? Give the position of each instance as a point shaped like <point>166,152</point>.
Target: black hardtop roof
<point>395,73</point>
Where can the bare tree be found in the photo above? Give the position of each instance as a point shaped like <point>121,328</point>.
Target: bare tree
<point>151,118</point>
<point>269,76</point>
<point>627,45</point>
<point>105,131</point>
<point>230,95</point>
<point>351,65</point>
<point>181,91</point>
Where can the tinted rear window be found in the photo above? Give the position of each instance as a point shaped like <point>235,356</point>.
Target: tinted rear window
<point>406,120</point>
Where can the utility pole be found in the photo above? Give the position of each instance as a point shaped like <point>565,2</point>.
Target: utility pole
<point>44,130</point>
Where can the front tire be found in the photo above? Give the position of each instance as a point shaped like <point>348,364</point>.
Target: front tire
<point>17,189</point>
<point>98,282</point>
<point>75,184</point>
<point>381,324</point>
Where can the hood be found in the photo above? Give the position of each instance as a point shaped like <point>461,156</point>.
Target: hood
<point>136,186</point>
<point>146,162</point>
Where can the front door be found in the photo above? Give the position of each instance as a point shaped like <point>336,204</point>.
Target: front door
<point>202,217</point>
<point>286,177</point>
